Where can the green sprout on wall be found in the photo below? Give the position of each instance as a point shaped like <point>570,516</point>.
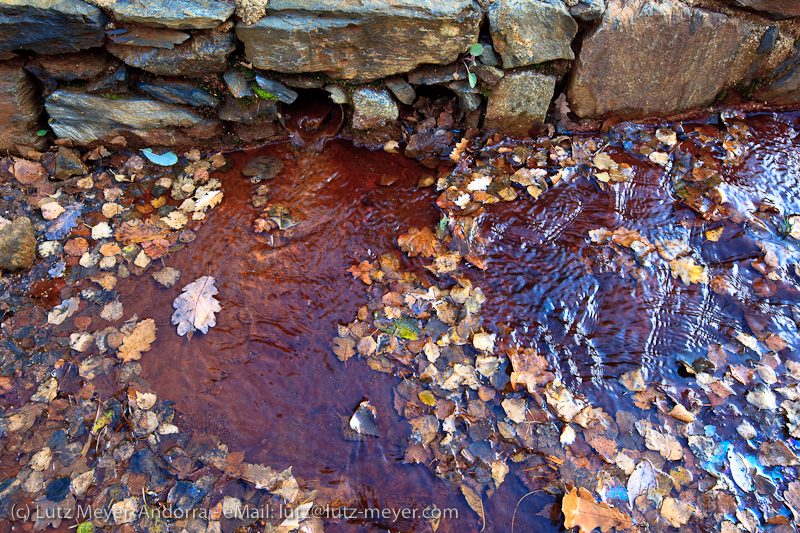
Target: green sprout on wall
<point>474,51</point>
<point>264,95</point>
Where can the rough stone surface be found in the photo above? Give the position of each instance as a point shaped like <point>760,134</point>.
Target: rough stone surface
<point>282,93</point>
<point>177,93</point>
<point>238,84</point>
<point>173,14</point>
<point>360,40</point>
<point>68,164</point>
<point>19,110</point>
<point>588,9</point>
<point>84,65</point>
<point>87,118</point>
<point>636,80</point>
<point>401,90</point>
<point>247,111</point>
<point>434,75</point>
<point>519,102</point>
<point>49,27</point>
<point>775,8</point>
<point>17,244</point>
<point>147,37</point>
<point>527,32</point>
<point>373,108</point>
<point>116,82</point>
<point>338,93</point>
<point>785,87</point>
<point>204,53</point>
<point>469,98</point>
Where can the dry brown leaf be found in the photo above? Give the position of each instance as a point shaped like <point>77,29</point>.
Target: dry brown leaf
<point>139,340</point>
<point>196,306</point>
<point>581,510</point>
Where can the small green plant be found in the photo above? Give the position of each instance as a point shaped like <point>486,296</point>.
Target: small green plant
<point>474,51</point>
<point>264,95</point>
<point>41,133</point>
<point>114,96</point>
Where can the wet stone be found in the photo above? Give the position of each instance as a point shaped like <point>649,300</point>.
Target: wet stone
<point>177,93</point>
<point>338,93</point>
<point>302,81</point>
<point>57,489</point>
<point>263,167</point>
<point>373,108</point>
<point>68,164</point>
<point>401,89</point>
<point>434,75</point>
<point>185,495</point>
<point>283,94</point>
<point>17,244</point>
<point>238,84</point>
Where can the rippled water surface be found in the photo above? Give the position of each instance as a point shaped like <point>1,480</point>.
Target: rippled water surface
<point>266,381</point>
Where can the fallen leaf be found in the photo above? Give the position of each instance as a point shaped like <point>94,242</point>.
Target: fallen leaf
<point>419,242</point>
<point>195,307</point>
<point>138,341</point>
<point>530,369</point>
<point>643,478</point>
<point>344,348</point>
<point>739,471</point>
<point>689,272</point>
<point>363,420</point>
<point>676,512</point>
<point>581,510</point>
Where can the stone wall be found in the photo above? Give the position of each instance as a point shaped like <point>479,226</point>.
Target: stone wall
<point>178,72</point>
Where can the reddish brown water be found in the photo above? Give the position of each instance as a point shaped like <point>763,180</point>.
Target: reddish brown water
<point>265,380</point>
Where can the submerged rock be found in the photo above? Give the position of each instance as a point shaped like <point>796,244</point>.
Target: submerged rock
<point>636,80</point>
<point>87,118</point>
<point>527,32</point>
<point>19,108</point>
<point>359,41</point>
<point>519,102</point>
<point>177,93</point>
<point>173,14</point>
<point>204,53</point>
<point>49,27</point>
<point>17,244</point>
<point>373,108</point>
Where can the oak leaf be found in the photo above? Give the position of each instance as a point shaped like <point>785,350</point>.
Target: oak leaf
<point>581,510</point>
<point>138,341</point>
<point>195,308</point>
<point>419,241</point>
<point>530,369</point>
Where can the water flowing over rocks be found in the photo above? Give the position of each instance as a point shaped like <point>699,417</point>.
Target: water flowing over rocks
<point>359,41</point>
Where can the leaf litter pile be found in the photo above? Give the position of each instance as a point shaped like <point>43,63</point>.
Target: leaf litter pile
<point>483,399</point>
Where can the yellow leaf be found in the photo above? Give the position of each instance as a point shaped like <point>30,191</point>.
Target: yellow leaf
<point>427,397</point>
<point>689,272</point>
<point>713,235</point>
